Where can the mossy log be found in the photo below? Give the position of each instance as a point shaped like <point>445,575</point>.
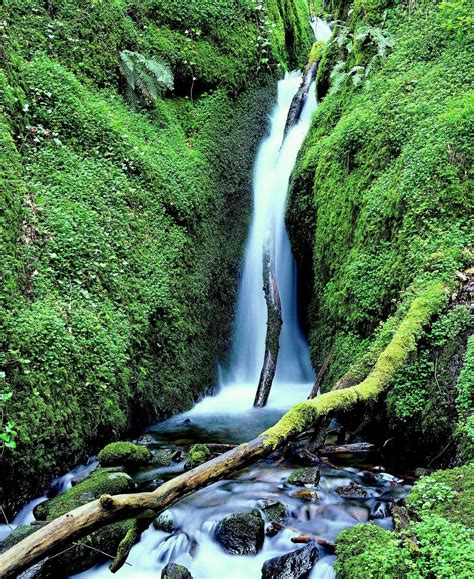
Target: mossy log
<point>297,104</point>
<point>82,521</point>
<point>274,323</point>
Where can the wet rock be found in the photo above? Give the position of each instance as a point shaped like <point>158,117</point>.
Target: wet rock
<point>273,510</point>
<point>124,454</point>
<point>352,491</point>
<point>146,440</point>
<point>165,456</point>
<point>198,454</point>
<point>305,476</point>
<point>294,565</point>
<point>174,571</point>
<point>186,421</point>
<point>305,495</point>
<point>164,522</point>
<point>101,481</point>
<point>273,529</point>
<point>241,533</point>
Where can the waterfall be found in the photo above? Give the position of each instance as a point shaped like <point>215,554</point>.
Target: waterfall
<point>274,164</point>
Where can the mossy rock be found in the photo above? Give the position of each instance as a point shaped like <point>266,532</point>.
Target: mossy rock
<point>16,536</point>
<point>296,564</point>
<point>175,571</point>
<point>241,533</point>
<point>125,454</point>
<point>164,522</point>
<point>101,481</point>
<point>198,454</point>
<point>273,510</point>
<point>305,476</point>
<point>165,456</point>
<point>449,493</point>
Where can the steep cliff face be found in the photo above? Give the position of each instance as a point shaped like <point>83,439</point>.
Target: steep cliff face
<point>381,204</point>
<point>123,223</point>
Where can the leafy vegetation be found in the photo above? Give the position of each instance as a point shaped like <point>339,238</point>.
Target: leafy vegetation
<point>118,286</point>
<point>437,544</point>
<point>382,191</point>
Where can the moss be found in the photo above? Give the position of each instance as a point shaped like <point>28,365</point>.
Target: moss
<point>306,475</point>
<point>449,493</point>
<point>16,536</point>
<point>404,341</point>
<point>198,454</point>
<point>101,481</point>
<point>124,454</point>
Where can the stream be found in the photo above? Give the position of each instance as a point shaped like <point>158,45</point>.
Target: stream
<point>229,417</point>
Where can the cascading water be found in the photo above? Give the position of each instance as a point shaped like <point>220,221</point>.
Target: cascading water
<point>229,416</point>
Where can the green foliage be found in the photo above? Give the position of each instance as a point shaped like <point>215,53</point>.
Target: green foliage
<point>122,230</point>
<point>449,493</point>
<point>146,78</point>
<point>434,547</point>
<point>464,404</point>
<point>198,454</point>
<point>124,454</point>
<point>380,200</point>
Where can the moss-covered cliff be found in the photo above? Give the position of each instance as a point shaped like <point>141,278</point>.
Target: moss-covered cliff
<point>381,204</point>
<point>123,227</point>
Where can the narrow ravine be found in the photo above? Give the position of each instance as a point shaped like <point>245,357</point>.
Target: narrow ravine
<point>228,417</point>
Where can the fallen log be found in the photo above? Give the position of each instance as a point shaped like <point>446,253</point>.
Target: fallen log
<point>274,323</point>
<point>303,539</point>
<point>297,104</point>
<point>79,522</point>
<point>354,448</point>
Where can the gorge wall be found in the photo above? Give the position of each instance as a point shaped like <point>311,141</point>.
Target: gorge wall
<point>123,224</point>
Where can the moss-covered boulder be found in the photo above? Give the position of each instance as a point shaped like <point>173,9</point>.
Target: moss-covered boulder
<point>305,476</point>
<point>165,456</point>
<point>174,571</point>
<point>125,454</point>
<point>101,481</point>
<point>273,510</point>
<point>198,454</point>
<point>16,536</point>
<point>241,533</point>
<point>164,522</point>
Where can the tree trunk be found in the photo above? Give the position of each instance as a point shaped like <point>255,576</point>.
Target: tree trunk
<point>297,104</point>
<point>274,323</point>
<point>80,522</point>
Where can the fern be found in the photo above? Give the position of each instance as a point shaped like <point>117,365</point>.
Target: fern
<point>147,79</point>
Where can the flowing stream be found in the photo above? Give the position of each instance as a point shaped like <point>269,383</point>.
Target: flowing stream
<point>229,417</point>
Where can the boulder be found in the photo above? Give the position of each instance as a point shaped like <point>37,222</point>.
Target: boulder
<point>198,454</point>
<point>165,456</point>
<point>124,454</point>
<point>352,491</point>
<point>164,522</point>
<point>16,536</point>
<point>309,475</point>
<point>273,510</point>
<point>174,571</point>
<point>241,533</point>
<point>294,565</point>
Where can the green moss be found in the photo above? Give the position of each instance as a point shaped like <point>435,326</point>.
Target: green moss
<point>100,482</point>
<point>16,536</point>
<point>404,341</point>
<point>433,547</point>
<point>448,493</point>
<point>198,454</point>
<point>124,454</point>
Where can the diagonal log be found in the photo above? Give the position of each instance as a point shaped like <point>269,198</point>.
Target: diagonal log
<point>274,322</point>
<point>87,518</point>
